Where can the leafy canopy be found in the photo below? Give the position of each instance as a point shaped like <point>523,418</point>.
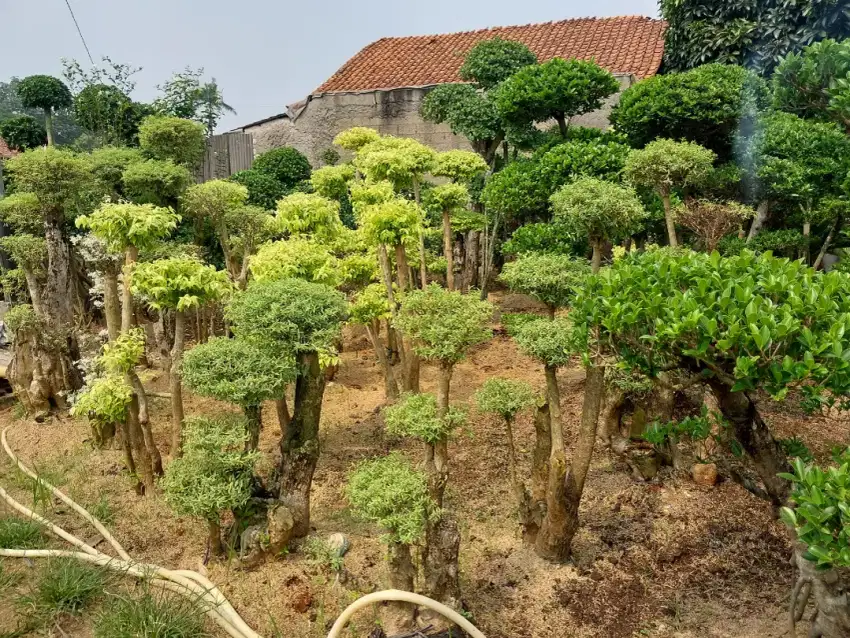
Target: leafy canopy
<point>105,400</point>
<point>444,324</point>
<point>459,166</point>
<point>540,238</point>
<point>667,164</point>
<point>296,257</point>
<point>415,415</point>
<point>371,304</point>
<point>155,182</point>
<point>23,132</point>
<point>214,199</point>
<point>178,283</point>
<point>56,176</point>
<point>28,251</point>
<point>391,493</point>
<point>399,160</point>
<point>598,210</point>
<point>263,189</point>
<point>356,138</point>
<point>44,92</point>
<point>467,111</point>
<point>493,61</point>
<point>332,181</point>
<point>121,226</point>
<point>393,222</point>
<point>172,138</point>
<point>505,397</point>
<point>308,214</point>
<point>549,278</point>
<point>236,371</point>
<point>549,341</point>
<point>109,163</point>
<point>449,198</point>
<point>22,211</point>
<point>285,164</point>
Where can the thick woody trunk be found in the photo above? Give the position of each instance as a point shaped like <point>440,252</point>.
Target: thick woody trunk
<point>254,419</point>
<point>488,255</point>
<point>390,385</point>
<point>214,535</point>
<point>402,269</point>
<point>397,617</point>
<point>668,218</point>
<point>130,256</point>
<point>596,260</point>
<point>470,266</point>
<point>540,468</point>
<point>610,416</point>
<point>34,288</point>
<point>760,218</point>
<point>755,437</point>
<point>176,383</point>
<point>521,495</point>
<point>550,539</point>
<point>111,304</point>
<point>283,417</point>
<point>448,251</point>
<point>300,445</point>
<point>137,444</point>
<point>829,591</point>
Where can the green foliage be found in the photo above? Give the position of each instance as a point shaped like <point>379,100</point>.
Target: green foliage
<point>22,211</point>
<point>358,270</point>
<point>16,533</point>
<point>263,189</point>
<point>602,158</point>
<point>468,112</point>
<point>66,586</point>
<point>57,177</point>
<point>695,428</point>
<point>236,371</point>
<point>44,92</point>
<point>214,199</point>
<point>794,448</point>
<point>557,89</point>
<point>492,61</point>
<point>399,160</point>
<point>121,355</point>
<point>786,243</point>
<point>109,114</point>
<point>330,156</point>
<point>755,321</point>
<point>21,319</point>
<point>598,210</point>
<point>109,163</point>
<point>123,225</point>
<point>214,473</point>
<point>371,304</point>
<point>356,138</point>
<point>505,397</point>
<point>391,493</point>
<point>178,283</point>
<point>365,194</point>
<point>444,324</point>
<point>172,138</point>
<point>667,164</point>
<point>104,401</point>
<point>308,214</point>
<point>332,181</point>
<point>518,191</point>
<point>289,314</point>
<point>153,614</point>
<point>415,415</point>
<point>296,258</point>
<point>549,341</point>
<point>28,251</point>
<point>448,197</point>
<point>183,95</point>
<point>392,222</point>
<point>323,554</point>
<point>23,132</point>
<point>754,34</point>
<point>821,515</point>
<point>459,166</point>
<point>705,105</point>
<point>549,278</point>
<point>285,164</point>
<point>551,238</point>
<point>155,182</point>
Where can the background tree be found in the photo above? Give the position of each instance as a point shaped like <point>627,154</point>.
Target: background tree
<point>507,398</point>
<point>46,93</point>
<point>172,138</point>
<point>64,127</point>
<point>155,182</point>
<point>238,372</point>
<point>263,189</point>
<point>109,114</point>
<point>549,278</point>
<point>557,89</point>
<point>293,317</point>
<point>178,284</point>
<point>108,165</point>
<point>664,165</point>
<point>22,132</point>
<point>185,96</point>
<point>213,475</point>
<point>493,61</point>
<point>712,221</point>
<point>285,164</point>
<point>355,138</point>
<point>445,200</point>
<point>296,258</point>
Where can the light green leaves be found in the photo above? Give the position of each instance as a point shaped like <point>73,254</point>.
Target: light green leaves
<point>550,278</point>
<point>666,164</point>
<point>296,257</point>
<point>599,210</point>
<point>308,214</point>
<point>214,199</point>
<point>178,283</point>
<point>505,397</point>
<point>123,225</point>
<point>550,341</point>
<point>356,138</point>
<point>371,304</point>
<point>416,415</point>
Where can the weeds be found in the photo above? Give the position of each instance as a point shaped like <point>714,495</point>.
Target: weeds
<point>8,579</point>
<point>16,533</point>
<point>66,586</point>
<point>102,510</point>
<point>322,554</point>
<point>152,615</point>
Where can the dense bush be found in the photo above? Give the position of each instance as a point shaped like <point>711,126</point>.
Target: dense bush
<point>263,189</point>
<point>23,132</point>
<point>286,164</point>
<point>172,138</point>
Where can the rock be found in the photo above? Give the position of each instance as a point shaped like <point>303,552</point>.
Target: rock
<point>646,465</point>
<point>704,474</point>
<point>339,543</point>
<point>280,526</point>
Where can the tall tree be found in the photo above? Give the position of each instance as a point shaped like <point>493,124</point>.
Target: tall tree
<point>186,96</point>
<point>46,93</point>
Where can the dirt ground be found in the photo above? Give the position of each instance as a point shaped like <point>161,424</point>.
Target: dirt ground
<point>663,558</point>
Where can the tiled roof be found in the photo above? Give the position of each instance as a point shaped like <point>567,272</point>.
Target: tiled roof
<point>5,151</point>
<point>628,44</point>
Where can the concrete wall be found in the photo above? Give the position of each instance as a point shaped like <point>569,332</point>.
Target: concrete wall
<point>312,128</point>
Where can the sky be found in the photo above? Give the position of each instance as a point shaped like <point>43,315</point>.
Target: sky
<point>264,54</point>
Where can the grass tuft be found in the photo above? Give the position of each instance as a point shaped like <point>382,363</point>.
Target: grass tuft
<point>320,553</point>
<point>16,533</point>
<point>65,586</point>
<point>102,510</point>
<point>152,615</point>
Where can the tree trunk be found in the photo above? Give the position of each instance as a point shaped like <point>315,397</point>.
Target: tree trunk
<point>807,232</point>
<point>34,288</point>
<point>137,443</point>
<point>755,437</point>
<point>540,467</point>
<point>402,269</point>
<point>300,445</point>
<point>129,461</point>
<point>520,492</point>
<point>283,417</point>
<point>130,256</point>
<point>442,582</point>
<point>608,429</point>
<point>668,217</point>
<point>48,125</point>
<point>254,418</point>
<point>397,617</point>
<point>596,260</point>
<point>759,220</point>
<point>437,455</point>
<point>562,125</point>
<point>214,529</point>
<point>390,385</point>
<point>111,304</point>
<point>176,383</point>
<point>835,226</point>
<point>470,267</point>
<point>489,254</point>
<point>411,372</point>
<point>550,539</point>
<point>829,590</point>
<point>448,250</point>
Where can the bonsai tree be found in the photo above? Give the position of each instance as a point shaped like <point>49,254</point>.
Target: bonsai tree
<point>285,164</point>
<point>296,258</point>
<point>46,93</point>
<point>286,317</point>
<point>369,309</point>
<point>506,398</point>
<point>22,132</point>
<point>178,284</point>
<point>248,227</point>
<point>558,89</point>
<point>664,165</point>
<point>238,372</point>
<point>155,182</point>
<point>598,210</point>
<point>549,278</point>
<point>491,62</point>
<point>332,181</point>
<point>356,138</point>
<point>712,221</point>
<point>308,214</point>
<point>392,494</point>
<point>214,474</point>
<point>445,200</point>
<point>172,138</point>
<point>108,165</point>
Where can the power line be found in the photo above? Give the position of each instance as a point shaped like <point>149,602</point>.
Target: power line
<point>77,24</point>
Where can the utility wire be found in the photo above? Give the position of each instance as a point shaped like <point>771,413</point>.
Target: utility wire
<point>77,24</point>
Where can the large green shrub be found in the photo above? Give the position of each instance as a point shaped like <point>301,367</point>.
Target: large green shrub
<point>23,132</point>
<point>550,278</point>
<point>286,164</point>
<point>172,138</point>
<point>263,189</point>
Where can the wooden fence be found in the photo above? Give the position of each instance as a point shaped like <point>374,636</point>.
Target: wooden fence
<point>226,154</point>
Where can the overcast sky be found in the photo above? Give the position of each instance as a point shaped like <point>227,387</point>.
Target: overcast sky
<point>264,54</point>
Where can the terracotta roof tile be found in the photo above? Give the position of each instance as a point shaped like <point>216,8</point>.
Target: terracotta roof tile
<point>628,44</point>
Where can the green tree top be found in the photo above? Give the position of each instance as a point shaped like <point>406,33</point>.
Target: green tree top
<point>466,110</point>
<point>492,61</point>
<point>121,355</point>
<point>444,324</point>
<point>449,197</point>
<point>28,251</point>
<point>371,304</point>
<point>155,182</point>
<point>391,493</point>
<point>415,415</point>
<point>459,166</point>
<point>356,138</point>
<point>44,92</point>
<point>332,181</point>
<point>399,160</point>
<point>22,211</point>
<point>178,283</point>
<point>23,132</point>
<point>394,222</point>
<point>109,163</point>
<point>172,138</point>
<point>236,371</point>
<point>296,257</point>
<point>549,341</point>
<point>105,400</point>
<point>56,176</point>
<point>308,214</point>
<point>287,165</point>
<point>548,277</point>
<point>505,397</point>
<point>667,164</point>
<point>263,189</point>
<point>214,199</point>
<point>121,226</point>
<point>365,194</point>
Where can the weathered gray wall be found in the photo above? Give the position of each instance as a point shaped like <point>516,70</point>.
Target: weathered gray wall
<point>393,112</point>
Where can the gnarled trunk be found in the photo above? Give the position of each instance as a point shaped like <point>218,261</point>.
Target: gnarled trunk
<point>470,266</point>
<point>137,444</point>
<point>540,468</point>
<point>214,536</point>
<point>398,617</point>
<point>521,495</point>
<point>283,417</point>
<point>254,419</point>
<point>442,582</point>
<point>829,590</point>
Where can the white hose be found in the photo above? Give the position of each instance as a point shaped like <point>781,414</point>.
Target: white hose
<point>406,597</point>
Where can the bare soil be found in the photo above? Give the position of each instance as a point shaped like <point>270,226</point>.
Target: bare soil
<point>664,558</point>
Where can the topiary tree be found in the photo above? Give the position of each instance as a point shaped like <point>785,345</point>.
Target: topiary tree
<point>308,214</point>
<point>707,105</point>
<point>46,93</point>
<point>178,284</point>
<point>248,227</point>
<point>22,132</point>
<point>664,165</point>
<point>296,258</point>
<point>239,372</point>
<point>263,189</point>
<point>213,475</point>
<point>172,138</point>
<point>356,138</point>
<point>293,316</point>
<point>507,398</point>
<point>369,309</point>
<point>598,210</point>
<point>155,182</point>
<point>550,278</point>
<point>558,89</point>
<point>285,164</point>
<point>493,61</point>
<point>712,221</point>
<point>108,165</point>
<point>392,494</point>
<point>547,238</point>
<point>105,402</point>
<point>332,181</point>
